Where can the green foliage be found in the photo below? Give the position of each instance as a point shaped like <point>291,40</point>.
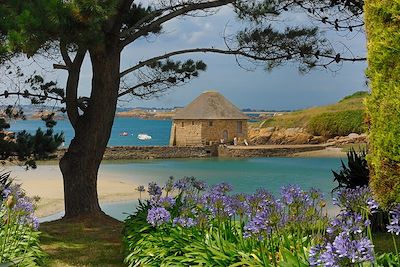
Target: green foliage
<point>301,118</point>
<point>383,106</point>
<point>337,123</point>
<point>358,94</point>
<point>355,174</point>
<point>25,147</point>
<point>19,238</point>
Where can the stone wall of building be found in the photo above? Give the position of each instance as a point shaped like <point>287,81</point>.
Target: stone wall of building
<point>206,132</point>
<point>213,130</point>
<point>187,133</point>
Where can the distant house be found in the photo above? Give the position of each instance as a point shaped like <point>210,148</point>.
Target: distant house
<point>209,119</point>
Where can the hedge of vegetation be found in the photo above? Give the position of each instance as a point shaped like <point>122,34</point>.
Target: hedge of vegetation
<point>383,24</point>
<point>337,123</point>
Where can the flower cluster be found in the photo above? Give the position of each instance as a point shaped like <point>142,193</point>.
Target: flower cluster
<point>158,216</point>
<point>358,200</point>
<point>343,251</point>
<point>14,203</point>
<point>346,243</point>
<point>394,226</point>
<point>261,212</point>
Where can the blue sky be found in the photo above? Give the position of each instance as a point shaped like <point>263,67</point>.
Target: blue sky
<point>283,88</point>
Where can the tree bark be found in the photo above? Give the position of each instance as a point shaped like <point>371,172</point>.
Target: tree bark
<point>81,162</point>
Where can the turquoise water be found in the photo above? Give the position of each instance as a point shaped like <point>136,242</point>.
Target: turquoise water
<point>246,175</point>
<point>159,130</point>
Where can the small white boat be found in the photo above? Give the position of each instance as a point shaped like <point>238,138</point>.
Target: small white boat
<point>144,137</point>
<point>123,134</point>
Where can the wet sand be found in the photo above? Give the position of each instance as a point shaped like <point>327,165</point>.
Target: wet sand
<point>46,183</point>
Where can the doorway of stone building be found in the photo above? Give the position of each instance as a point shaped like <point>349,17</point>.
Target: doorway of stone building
<point>225,135</point>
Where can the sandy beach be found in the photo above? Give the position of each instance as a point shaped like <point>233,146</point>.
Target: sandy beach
<point>329,152</point>
<point>46,182</point>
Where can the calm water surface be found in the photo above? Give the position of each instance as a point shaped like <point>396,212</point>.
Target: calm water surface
<point>246,175</point>
<point>159,130</point>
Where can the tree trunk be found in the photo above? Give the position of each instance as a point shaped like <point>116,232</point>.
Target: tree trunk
<point>81,162</point>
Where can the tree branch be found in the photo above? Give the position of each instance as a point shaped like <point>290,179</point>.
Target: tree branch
<point>132,36</point>
<point>26,94</point>
<point>238,52</point>
<point>144,84</point>
<point>64,53</point>
<point>72,87</point>
<point>60,67</point>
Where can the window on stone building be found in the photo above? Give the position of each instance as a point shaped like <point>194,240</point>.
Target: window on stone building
<point>183,124</point>
<point>239,127</point>
<point>210,123</point>
<point>192,122</point>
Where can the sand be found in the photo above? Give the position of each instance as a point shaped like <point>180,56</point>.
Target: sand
<point>329,152</point>
<point>46,182</point>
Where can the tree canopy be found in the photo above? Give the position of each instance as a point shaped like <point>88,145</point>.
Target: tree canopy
<point>102,29</point>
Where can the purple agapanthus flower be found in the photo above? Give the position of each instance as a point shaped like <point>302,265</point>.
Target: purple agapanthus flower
<point>6,193</point>
<point>358,200</point>
<point>356,251</point>
<point>293,193</point>
<point>158,216</point>
<point>259,226</point>
<point>343,251</point>
<point>394,226</point>
<point>165,202</point>
<point>154,190</point>
<point>347,222</point>
<point>185,222</point>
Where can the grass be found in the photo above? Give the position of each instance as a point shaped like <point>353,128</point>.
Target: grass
<point>301,118</point>
<point>83,242</point>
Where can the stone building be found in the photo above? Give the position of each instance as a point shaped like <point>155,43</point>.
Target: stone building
<point>208,120</point>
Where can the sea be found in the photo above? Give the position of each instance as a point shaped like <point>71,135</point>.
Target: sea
<point>246,175</point>
<point>159,130</point>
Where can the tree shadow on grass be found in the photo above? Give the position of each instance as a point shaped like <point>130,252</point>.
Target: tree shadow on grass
<point>86,241</point>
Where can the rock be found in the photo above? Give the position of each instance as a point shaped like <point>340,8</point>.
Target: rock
<point>269,129</point>
<point>353,135</point>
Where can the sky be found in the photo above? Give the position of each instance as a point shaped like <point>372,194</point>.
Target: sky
<point>282,89</point>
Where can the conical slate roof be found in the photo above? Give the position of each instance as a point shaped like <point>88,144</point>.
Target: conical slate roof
<point>210,105</point>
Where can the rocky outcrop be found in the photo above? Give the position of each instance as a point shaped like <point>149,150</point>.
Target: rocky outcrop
<point>352,138</point>
<point>297,136</point>
<point>276,136</point>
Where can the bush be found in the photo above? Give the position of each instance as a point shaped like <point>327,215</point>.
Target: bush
<point>383,106</point>
<point>355,174</point>
<point>19,238</point>
<point>337,123</point>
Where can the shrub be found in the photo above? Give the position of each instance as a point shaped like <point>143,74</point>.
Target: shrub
<point>355,174</point>
<point>19,238</point>
<point>337,123</point>
<point>383,106</point>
